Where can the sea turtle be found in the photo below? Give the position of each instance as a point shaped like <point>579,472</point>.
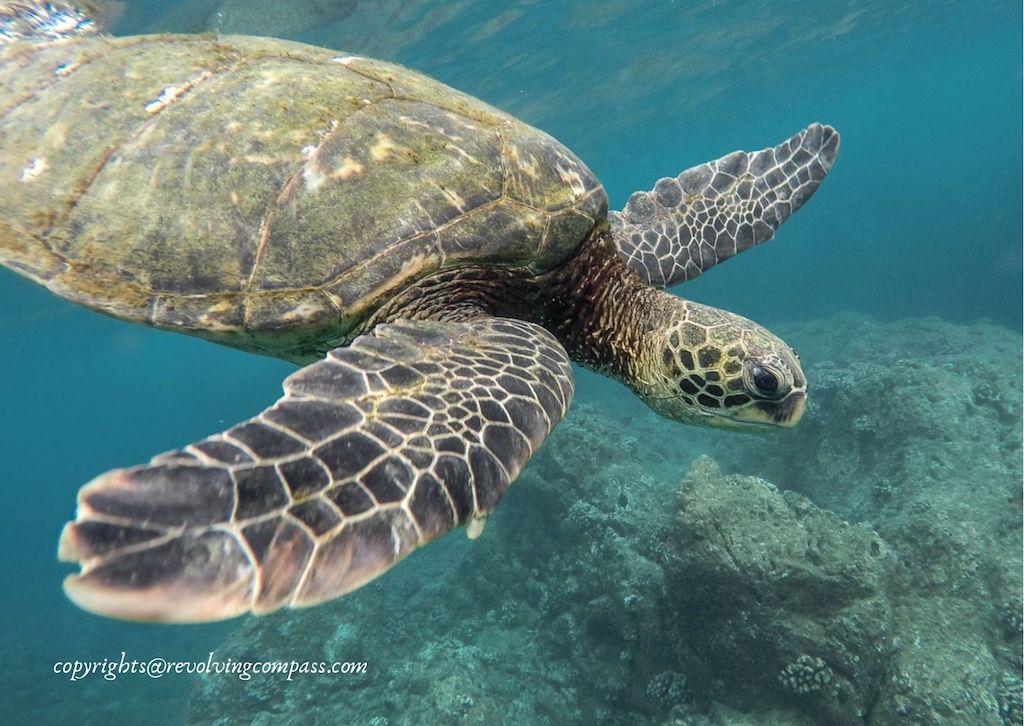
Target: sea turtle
<point>433,263</point>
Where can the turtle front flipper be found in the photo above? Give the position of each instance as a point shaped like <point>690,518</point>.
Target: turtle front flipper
<point>707,214</point>
<point>373,451</point>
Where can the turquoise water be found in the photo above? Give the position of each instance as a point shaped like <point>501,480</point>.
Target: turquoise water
<point>920,217</point>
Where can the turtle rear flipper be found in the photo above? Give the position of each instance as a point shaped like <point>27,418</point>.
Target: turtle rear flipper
<point>707,214</point>
<point>373,451</point>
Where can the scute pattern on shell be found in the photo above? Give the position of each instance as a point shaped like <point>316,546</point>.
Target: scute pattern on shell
<point>260,192</point>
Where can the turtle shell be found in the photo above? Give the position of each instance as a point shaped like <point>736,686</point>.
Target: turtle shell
<point>263,193</point>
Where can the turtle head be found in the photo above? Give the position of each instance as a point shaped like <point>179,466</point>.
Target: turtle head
<point>713,368</point>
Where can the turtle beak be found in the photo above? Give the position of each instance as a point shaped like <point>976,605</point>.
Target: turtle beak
<point>785,412</point>
<point>791,409</point>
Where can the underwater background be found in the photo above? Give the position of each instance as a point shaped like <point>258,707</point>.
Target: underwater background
<point>638,572</point>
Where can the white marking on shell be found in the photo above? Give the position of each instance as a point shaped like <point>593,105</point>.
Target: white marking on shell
<point>213,319</point>
<point>452,197</point>
<point>334,297</point>
<point>530,168</point>
<point>423,210</point>
<point>305,310</point>
<point>312,174</point>
<point>416,264</point>
<point>33,170</point>
<point>265,159</point>
<point>413,122</point>
<point>465,155</point>
<point>385,148</point>
<point>461,121</point>
<point>573,179</point>
<point>345,59</point>
<point>41,22</point>
<point>170,94</point>
<point>349,167</point>
<point>66,69</point>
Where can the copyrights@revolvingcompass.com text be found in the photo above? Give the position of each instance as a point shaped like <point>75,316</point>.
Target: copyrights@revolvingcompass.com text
<point>108,669</point>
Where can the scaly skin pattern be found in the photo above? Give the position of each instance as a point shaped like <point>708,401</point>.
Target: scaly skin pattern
<point>715,210</point>
<point>264,194</point>
<point>687,361</point>
<point>371,452</point>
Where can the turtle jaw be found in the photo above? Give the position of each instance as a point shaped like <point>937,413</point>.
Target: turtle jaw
<point>765,415</point>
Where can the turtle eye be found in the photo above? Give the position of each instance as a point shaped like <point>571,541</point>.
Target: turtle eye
<point>765,382</point>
